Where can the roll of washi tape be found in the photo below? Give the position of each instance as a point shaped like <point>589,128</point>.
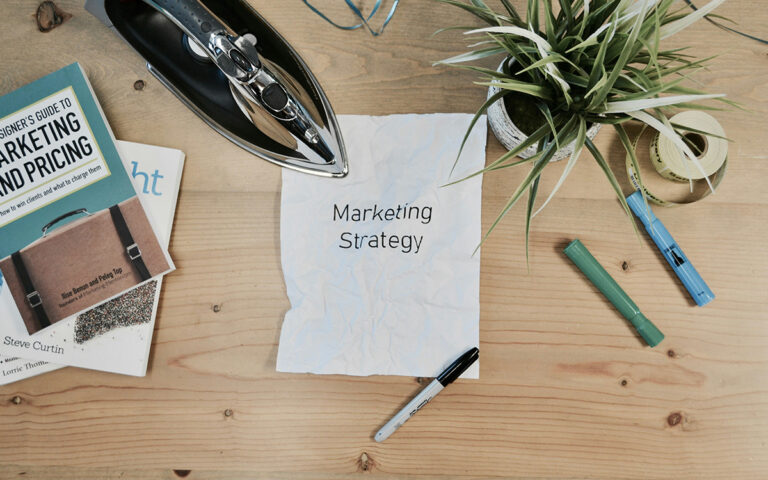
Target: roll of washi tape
<point>711,152</point>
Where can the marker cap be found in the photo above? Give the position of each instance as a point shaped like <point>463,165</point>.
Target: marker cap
<point>671,251</point>
<point>595,272</point>
<point>458,367</point>
<point>638,206</point>
<point>647,330</point>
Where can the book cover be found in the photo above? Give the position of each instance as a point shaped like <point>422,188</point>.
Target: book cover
<point>117,335</point>
<point>73,233</point>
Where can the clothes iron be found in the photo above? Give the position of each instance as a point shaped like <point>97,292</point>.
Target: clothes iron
<point>228,65</point>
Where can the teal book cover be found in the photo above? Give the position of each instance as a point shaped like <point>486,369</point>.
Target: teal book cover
<point>73,233</point>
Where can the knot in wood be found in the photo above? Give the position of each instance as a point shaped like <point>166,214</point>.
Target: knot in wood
<point>50,16</point>
<point>625,265</point>
<point>365,463</point>
<point>674,419</point>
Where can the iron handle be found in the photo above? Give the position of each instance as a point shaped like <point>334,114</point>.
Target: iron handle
<point>236,58</point>
<point>196,20</point>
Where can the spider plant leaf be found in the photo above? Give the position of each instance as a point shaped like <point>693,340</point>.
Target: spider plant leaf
<point>532,139</point>
<point>684,128</point>
<point>698,106</point>
<point>601,80</point>
<point>489,72</point>
<point>681,89</point>
<point>598,69</point>
<point>603,12</point>
<point>633,82</point>
<point>517,31</point>
<point>632,7</point>
<point>653,57</point>
<point>512,11</point>
<point>635,105</point>
<point>606,120</point>
<point>665,121</point>
<point>577,148</point>
<point>631,152</point>
<point>579,81</point>
<point>549,152</point>
<point>652,92</point>
<point>520,54</point>
<point>693,91</point>
<point>549,23</point>
<point>567,11</point>
<point>447,29</point>
<point>482,5</point>
<point>533,14</point>
<point>518,86</point>
<point>688,66</point>
<point>593,18</point>
<point>483,108</point>
<point>641,77</point>
<point>532,191</point>
<point>631,149</point>
<point>520,161</point>
<point>674,27</point>
<point>592,39</point>
<point>656,43</point>
<point>612,180</point>
<point>556,57</point>
<point>624,57</point>
<point>540,63</point>
<point>481,42</point>
<point>471,56</point>
<point>544,109</point>
<point>474,10</point>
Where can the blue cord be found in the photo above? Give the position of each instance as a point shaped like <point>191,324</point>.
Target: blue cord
<point>364,21</point>
<point>725,27</point>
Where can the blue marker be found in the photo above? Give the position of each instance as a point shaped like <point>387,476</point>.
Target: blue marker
<point>691,279</point>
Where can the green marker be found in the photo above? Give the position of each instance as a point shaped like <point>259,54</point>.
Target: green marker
<point>595,272</point>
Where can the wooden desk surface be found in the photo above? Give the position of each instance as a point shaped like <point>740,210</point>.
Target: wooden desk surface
<point>566,390</point>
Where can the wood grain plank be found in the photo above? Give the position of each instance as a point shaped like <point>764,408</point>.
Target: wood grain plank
<point>566,390</point>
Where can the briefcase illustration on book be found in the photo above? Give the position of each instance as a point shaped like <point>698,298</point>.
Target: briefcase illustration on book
<point>83,263</point>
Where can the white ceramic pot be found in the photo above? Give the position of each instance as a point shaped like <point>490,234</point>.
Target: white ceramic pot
<point>510,136</point>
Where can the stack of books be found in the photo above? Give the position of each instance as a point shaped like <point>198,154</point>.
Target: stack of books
<point>85,223</point>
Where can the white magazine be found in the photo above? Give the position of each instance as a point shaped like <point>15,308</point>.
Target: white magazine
<point>156,174</point>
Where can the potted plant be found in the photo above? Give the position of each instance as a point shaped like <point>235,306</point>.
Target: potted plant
<point>595,62</point>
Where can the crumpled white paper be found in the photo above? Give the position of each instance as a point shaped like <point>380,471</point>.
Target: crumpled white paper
<point>378,266</point>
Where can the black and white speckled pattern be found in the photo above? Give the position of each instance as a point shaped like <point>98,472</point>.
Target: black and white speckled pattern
<point>132,308</point>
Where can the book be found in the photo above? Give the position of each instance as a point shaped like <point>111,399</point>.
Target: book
<point>121,342</point>
<point>73,232</point>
